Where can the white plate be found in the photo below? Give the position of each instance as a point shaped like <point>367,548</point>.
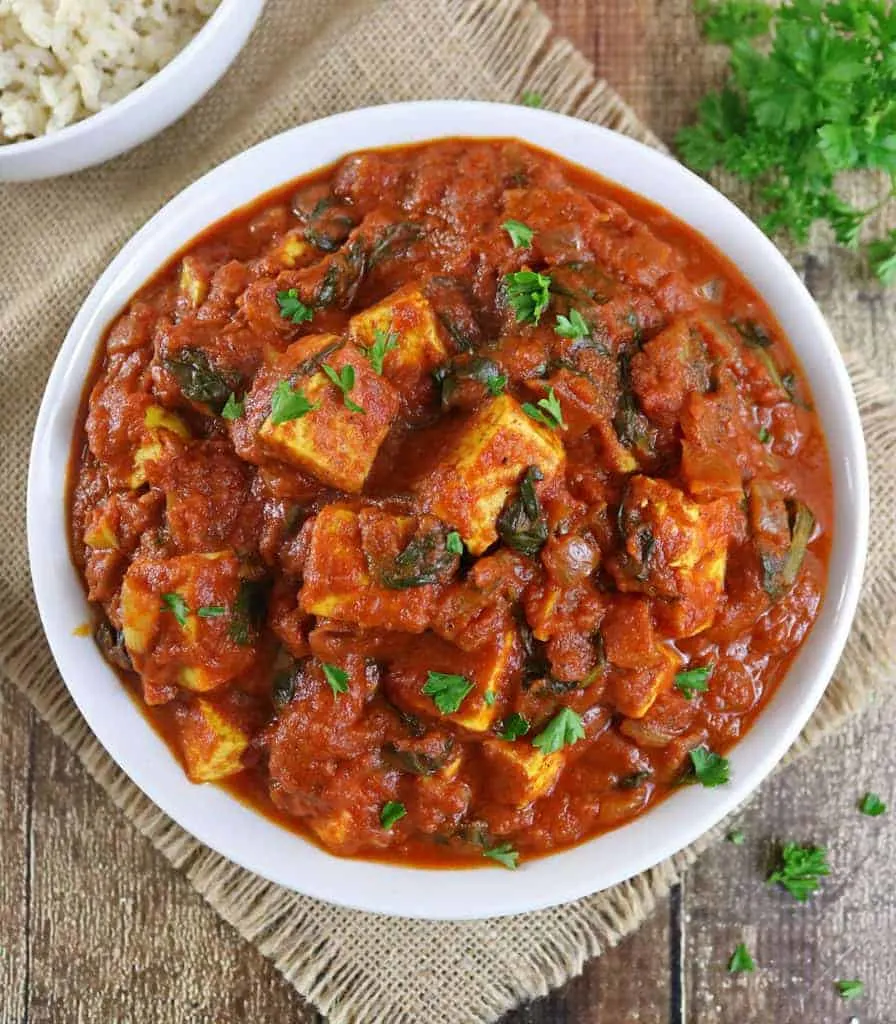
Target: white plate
<point>246,837</point>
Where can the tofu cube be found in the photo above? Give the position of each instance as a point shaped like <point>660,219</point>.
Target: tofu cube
<point>633,690</point>
<point>100,533</point>
<point>408,316</point>
<point>484,464</point>
<point>331,442</point>
<point>336,829</point>
<point>155,420</point>
<point>519,773</point>
<point>199,655</point>
<point>213,737</point>
<point>194,281</point>
<point>292,249</point>
<point>338,581</point>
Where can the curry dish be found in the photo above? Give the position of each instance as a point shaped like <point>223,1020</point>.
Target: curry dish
<point>451,505</point>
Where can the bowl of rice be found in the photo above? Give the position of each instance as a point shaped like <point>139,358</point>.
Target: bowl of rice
<point>82,81</point>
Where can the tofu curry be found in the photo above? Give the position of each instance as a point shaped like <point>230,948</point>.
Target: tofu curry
<point>450,505</point>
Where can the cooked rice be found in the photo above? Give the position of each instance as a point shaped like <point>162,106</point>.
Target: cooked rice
<point>62,60</point>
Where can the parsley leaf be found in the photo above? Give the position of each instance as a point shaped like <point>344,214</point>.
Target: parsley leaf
<point>800,870</point>
<point>336,677</point>
<point>489,697</point>
<point>174,603</point>
<point>710,769</point>
<point>740,960</point>
<point>292,308</point>
<point>529,294</point>
<point>764,435</point>
<point>547,412</point>
<point>504,854</point>
<point>392,811</point>
<point>563,730</point>
<point>383,343</point>
<point>736,837</point>
<point>233,408</point>
<point>454,544</point>
<point>872,805</point>
<point>289,404</point>
<point>211,611</point>
<point>694,680</point>
<point>344,379</point>
<point>850,989</point>
<point>800,108</point>
<point>574,326</point>
<point>447,691</point>
<point>520,234</point>
<point>513,727</point>
<point>532,99</point>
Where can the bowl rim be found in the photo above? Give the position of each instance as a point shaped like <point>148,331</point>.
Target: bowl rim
<point>201,45</point>
<point>243,835</point>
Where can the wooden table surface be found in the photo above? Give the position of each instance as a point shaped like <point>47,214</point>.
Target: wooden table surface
<point>96,927</point>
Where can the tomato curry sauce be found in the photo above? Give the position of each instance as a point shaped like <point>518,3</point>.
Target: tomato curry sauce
<point>449,502</point>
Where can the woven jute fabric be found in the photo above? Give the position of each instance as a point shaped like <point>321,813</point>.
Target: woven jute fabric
<point>308,59</point>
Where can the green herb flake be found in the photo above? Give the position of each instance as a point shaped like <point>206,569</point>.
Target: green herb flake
<point>520,234</point>
<point>532,99</point>
<point>736,837</point>
<point>233,408</point>
<point>800,870</point>
<point>454,544</point>
<point>693,680</point>
<point>764,435</point>
<point>292,308</point>
<point>174,603</point>
<point>513,727</point>
<point>489,697</point>
<point>851,989</point>
<point>392,811</point>
<point>740,961</point>
<point>710,769</point>
<point>344,379</point>
<point>384,342</point>
<point>447,691</point>
<point>211,611</point>
<point>336,677</point>
<point>547,412</point>
<point>504,854</point>
<point>529,294</point>
<point>872,805</point>
<point>563,730</point>
<point>574,326</point>
<point>288,403</point>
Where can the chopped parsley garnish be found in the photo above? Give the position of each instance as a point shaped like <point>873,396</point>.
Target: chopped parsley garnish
<point>764,435</point>
<point>447,691</point>
<point>175,604</point>
<point>383,343</point>
<point>547,411</point>
<point>740,960</point>
<point>211,611</point>
<point>711,769</point>
<point>454,544</point>
<point>872,805</point>
<point>574,326</point>
<point>504,854</point>
<point>850,989</point>
<point>344,379</point>
<point>800,870</point>
<point>497,384</point>
<point>563,730</point>
<point>392,811</point>
<point>292,308</point>
<point>336,677</point>
<point>489,697</point>
<point>529,294</point>
<point>532,99</point>
<point>233,408</point>
<point>694,680</point>
<point>289,404</point>
<point>513,727</point>
<point>736,837</point>
<point>520,234</point>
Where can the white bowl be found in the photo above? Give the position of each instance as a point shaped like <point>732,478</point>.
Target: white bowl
<point>245,836</point>
<point>146,111</point>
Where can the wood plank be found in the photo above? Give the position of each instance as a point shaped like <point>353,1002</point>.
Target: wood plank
<point>15,787</point>
<point>119,934</point>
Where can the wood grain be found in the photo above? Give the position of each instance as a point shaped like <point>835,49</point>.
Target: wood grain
<point>95,927</point>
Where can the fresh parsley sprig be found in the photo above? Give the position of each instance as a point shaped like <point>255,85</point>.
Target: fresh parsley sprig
<point>547,411</point>
<point>288,403</point>
<point>344,379</point>
<point>292,308</point>
<point>384,342</point>
<point>447,691</point>
<point>563,730</point>
<point>529,294</point>
<point>800,870</point>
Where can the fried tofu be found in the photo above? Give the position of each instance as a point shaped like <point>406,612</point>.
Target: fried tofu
<point>519,773</point>
<point>634,690</point>
<point>484,464</point>
<point>332,442</point>
<point>408,317</point>
<point>156,419</point>
<point>213,737</point>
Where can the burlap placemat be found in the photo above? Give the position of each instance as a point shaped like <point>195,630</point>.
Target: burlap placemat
<point>306,60</point>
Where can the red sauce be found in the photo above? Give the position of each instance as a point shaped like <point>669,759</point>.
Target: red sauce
<point>376,528</point>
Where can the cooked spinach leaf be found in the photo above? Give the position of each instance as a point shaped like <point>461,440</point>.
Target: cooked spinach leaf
<point>199,381</point>
<point>522,524</point>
